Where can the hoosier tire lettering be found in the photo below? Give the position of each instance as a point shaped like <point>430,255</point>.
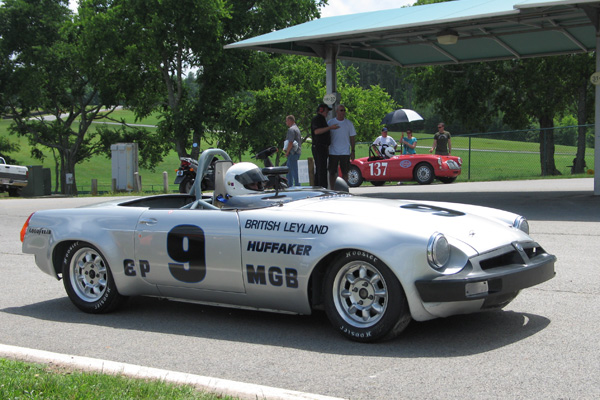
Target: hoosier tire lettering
<point>363,298</point>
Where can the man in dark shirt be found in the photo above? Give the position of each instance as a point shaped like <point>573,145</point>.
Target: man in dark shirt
<point>442,141</point>
<point>319,132</point>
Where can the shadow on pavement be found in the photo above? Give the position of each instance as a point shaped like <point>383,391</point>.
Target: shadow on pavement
<point>579,206</point>
<point>450,337</point>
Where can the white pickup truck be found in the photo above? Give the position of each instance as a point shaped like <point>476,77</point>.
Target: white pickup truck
<point>13,178</point>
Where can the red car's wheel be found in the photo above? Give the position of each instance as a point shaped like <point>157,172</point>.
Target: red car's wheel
<point>423,174</point>
<point>355,178</point>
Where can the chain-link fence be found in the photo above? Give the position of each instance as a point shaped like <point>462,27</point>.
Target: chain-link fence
<point>489,156</point>
<point>508,154</point>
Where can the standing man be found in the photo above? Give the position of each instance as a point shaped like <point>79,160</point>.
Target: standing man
<point>293,150</point>
<point>442,143</point>
<point>341,149</point>
<point>320,134</point>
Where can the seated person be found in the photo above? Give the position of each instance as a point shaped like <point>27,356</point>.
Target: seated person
<point>409,142</point>
<point>384,140</point>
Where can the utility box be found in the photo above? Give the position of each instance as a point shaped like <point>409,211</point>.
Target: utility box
<point>38,183</point>
<point>124,165</point>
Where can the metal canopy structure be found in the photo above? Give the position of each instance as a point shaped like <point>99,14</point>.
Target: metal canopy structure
<point>454,32</point>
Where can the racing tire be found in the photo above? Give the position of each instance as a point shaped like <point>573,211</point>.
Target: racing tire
<point>424,174</point>
<point>355,178</point>
<point>377,183</point>
<point>363,298</point>
<point>186,185</point>
<point>88,280</point>
<point>447,179</point>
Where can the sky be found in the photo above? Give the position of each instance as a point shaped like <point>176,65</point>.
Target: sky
<point>343,7</point>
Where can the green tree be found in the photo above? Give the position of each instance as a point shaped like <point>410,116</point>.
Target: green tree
<point>535,88</point>
<point>7,147</point>
<point>161,41</point>
<point>581,93</point>
<point>46,70</point>
<point>539,89</point>
<point>230,73</point>
<point>166,39</point>
<point>257,117</point>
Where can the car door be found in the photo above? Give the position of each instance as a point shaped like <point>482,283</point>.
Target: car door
<point>191,249</point>
<point>401,168</point>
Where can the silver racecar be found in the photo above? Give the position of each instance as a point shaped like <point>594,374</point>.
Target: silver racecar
<point>296,250</point>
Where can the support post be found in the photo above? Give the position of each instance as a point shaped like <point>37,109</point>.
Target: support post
<point>331,72</point>
<point>597,123</point>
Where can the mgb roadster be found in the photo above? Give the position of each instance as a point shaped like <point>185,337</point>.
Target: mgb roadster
<point>290,250</point>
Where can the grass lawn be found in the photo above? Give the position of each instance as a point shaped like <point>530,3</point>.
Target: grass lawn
<point>19,380</point>
<point>489,159</point>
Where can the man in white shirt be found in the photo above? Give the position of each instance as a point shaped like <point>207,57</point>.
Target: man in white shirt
<point>341,148</point>
<point>384,140</point>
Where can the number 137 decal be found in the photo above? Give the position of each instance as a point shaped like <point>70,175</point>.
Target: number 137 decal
<point>378,169</point>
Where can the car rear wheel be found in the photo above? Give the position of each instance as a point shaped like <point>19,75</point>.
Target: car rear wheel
<point>88,280</point>
<point>447,180</point>
<point>355,178</point>
<point>363,298</point>
<point>423,174</point>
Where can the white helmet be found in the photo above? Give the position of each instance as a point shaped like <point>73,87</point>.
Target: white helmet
<point>389,152</point>
<point>244,178</point>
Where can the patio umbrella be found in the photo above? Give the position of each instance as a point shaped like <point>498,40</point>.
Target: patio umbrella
<point>401,115</point>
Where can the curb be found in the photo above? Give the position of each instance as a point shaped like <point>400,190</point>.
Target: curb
<point>208,384</point>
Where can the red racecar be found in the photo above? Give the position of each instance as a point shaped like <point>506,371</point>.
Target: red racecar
<point>381,167</point>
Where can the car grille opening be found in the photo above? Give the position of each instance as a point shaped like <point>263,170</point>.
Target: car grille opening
<point>502,260</point>
<point>511,256</point>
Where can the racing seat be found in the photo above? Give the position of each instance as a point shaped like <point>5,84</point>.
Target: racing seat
<point>221,168</point>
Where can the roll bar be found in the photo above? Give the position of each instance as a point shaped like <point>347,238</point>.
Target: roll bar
<point>203,163</point>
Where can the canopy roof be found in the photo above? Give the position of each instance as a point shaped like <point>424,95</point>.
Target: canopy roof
<point>486,29</point>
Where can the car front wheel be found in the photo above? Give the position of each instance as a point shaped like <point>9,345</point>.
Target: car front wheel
<point>363,298</point>
<point>424,174</point>
<point>88,280</point>
<point>355,178</point>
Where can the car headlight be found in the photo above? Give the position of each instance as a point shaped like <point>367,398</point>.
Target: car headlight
<point>438,251</point>
<point>522,224</point>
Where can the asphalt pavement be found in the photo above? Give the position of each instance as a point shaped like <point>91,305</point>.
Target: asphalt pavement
<point>544,345</point>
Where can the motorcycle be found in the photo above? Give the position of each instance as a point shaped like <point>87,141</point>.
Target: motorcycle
<point>186,175</point>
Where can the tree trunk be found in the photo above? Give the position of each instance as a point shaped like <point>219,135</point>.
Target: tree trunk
<point>547,146</point>
<point>67,167</point>
<point>579,163</point>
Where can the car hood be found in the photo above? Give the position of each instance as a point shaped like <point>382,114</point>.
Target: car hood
<point>481,228</point>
